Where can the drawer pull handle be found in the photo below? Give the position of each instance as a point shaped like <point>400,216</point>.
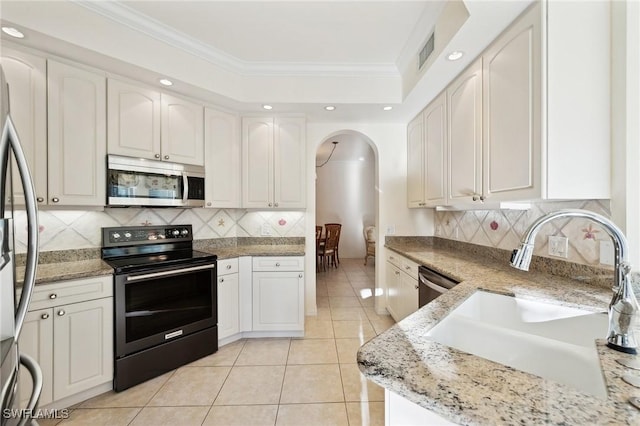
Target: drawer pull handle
<point>221,280</point>
<point>61,313</point>
<point>53,296</point>
<point>44,316</point>
<point>228,266</point>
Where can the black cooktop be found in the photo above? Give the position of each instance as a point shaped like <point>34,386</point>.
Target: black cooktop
<point>145,262</point>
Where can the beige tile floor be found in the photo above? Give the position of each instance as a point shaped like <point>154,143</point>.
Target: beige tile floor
<point>308,381</point>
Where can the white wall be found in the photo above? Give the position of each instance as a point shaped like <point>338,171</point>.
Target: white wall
<point>345,194</point>
<point>388,142</point>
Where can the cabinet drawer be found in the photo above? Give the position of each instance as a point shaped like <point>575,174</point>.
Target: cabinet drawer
<point>287,263</point>
<point>394,259</point>
<point>65,292</point>
<point>227,266</point>
<point>410,267</point>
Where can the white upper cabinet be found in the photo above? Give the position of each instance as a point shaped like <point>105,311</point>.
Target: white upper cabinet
<point>77,136</point>
<point>415,163</point>
<point>273,166</point>
<point>133,116</point>
<point>222,159</point>
<point>546,112</point>
<point>144,123</point>
<point>26,75</point>
<point>464,104</point>
<point>182,136</point>
<point>435,151</point>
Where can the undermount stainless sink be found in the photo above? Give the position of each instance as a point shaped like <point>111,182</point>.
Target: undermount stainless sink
<point>551,341</point>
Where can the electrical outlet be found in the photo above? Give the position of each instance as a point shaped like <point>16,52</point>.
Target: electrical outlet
<point>391,229</point>
<point>266,230</point>
<point>558,246</point>
<point>606,252</point>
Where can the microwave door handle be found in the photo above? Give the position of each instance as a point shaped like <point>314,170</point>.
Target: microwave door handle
<point>185,188</point>
<point>10,134</point>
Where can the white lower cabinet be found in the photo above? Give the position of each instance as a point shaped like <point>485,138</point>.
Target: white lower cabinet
<point>400,411</point>
<point>402,286</point>
<point>228,298</point>
<point>278,293</point>
<point>69,332</point>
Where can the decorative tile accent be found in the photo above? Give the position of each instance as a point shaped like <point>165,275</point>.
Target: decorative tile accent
<point>476,227</point>
<point>80,229</point>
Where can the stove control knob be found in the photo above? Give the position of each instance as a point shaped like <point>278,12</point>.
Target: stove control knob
<point>127,234</point>
<point>115,235</point>
<point>185,232</point>
<point>175,232</point>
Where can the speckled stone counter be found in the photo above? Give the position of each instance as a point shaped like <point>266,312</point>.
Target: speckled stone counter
<point>467,389</point>
<point>256,250</point>
<point>60,271</point>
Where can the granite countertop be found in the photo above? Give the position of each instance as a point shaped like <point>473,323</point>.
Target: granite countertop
<point>467,389</point>
<point>60,271</point>
<point>256,250</point>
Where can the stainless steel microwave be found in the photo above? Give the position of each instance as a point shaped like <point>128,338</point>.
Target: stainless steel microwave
<point>142,182</point>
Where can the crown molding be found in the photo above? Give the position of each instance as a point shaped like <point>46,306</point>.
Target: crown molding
<point>127,16</point>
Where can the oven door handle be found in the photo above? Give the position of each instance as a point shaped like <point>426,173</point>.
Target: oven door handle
<point>168,273</point>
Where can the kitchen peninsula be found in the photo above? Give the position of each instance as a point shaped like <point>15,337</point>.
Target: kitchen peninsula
<point>466,389</point>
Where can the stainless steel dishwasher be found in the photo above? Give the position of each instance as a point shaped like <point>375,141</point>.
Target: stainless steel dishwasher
<point>432,285</point>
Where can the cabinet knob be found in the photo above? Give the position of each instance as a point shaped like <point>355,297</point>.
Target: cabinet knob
<point>407,267</point>
<point>417,287</point>
<point>157,156</point>
<point>299,275</point>
<point>61,313</point>
<point>270,205</point>
<point>40,199</point>
<point>221,280</point>
<point>228,266</point>
<point>53,296</point>
<point>276,205</point>
<point>44,316</point>
<point>55,199</point>
<point>166,157</point>
<point>277,263</point>
<point>209,204</point>
<point>397,273</point>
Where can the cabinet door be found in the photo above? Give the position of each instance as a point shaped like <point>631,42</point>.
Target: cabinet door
<point>393,291</point>
<point>222,159</point>
<point>435,146</point>
<point>83,352</point>
<point>133,115</point>
<point>77,136</point>
<point>182,134</point>
<point>415,162</point>
<point>408,295</point>
<point>228,306</point>
<point>257,162</point>
<point>27,78</point>
<point>464,105</point>
<point>36,340</point>
<point>511,98</point>
<point>289,163</point>
<point>278,301</point>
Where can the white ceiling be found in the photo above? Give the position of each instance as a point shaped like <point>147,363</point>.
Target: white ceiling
<point>296,55</point>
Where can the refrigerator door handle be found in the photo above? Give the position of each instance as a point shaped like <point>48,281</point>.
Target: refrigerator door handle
<point>10,139</point>
<point>36,375</point>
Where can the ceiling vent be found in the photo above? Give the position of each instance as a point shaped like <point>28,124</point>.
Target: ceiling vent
<point>426,51</point>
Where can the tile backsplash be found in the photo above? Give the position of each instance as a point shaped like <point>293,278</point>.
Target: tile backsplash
<point>504,228</point>
<point>77,229</point>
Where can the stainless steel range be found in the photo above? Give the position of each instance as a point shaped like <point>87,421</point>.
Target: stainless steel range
<point>165,300</point>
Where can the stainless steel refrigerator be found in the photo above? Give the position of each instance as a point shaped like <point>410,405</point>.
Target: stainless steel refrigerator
<point>12,309</point>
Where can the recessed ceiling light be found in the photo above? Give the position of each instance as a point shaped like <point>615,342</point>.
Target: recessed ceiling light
<point>267,107</point>
<point>13,32</point>
<point>387,108</point>
<point>455,55</point>
<point>166,82</point>
<point>329,107</point>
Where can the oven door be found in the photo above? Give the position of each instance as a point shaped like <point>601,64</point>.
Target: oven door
<point>162,304</point>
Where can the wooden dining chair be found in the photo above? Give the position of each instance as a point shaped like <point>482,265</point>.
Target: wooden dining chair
<point>327,251</point>
<point>369,233</point>
<point>318,245</point>
<point>337,228</point>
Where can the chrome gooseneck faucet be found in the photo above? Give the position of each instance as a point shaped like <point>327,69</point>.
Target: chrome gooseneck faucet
<point>623,309</point>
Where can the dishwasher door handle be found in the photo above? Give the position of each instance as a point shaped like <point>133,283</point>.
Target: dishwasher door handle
<point>433,286</point>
